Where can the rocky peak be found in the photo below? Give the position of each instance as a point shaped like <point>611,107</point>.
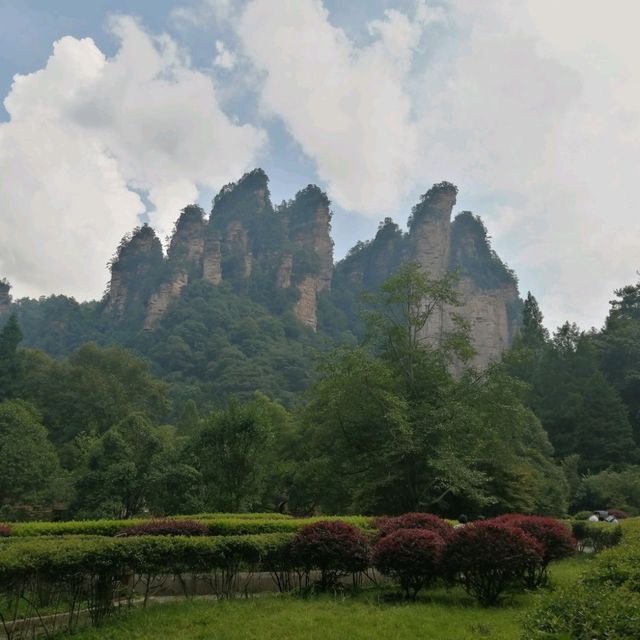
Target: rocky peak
<point>436,203</point>
<point>187,242</point>
<point>5,296</point>
<point>309,219</point>
<point>472,256</point>
<point>138,256</point>
<point>242,200</point>
<point>429,226</point>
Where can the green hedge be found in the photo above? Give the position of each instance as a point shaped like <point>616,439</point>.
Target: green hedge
<point>44,575</point>
<point>218,526</point>
<point>56,557</point>
<point>605,603</point>
<point>596,535</point>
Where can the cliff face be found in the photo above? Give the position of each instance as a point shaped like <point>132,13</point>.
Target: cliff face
<point>245,242</point>
<point>5,296</point>
<point>309,225</point>
<point>133,269</point>
<point>284,256</point>
<point>487,289</point>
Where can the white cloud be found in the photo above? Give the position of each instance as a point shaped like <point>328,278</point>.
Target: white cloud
<point>347,106</point>
<point>84,134</point>
<point>203,12</point>
<point>540,114</point>
<point>224,59</point>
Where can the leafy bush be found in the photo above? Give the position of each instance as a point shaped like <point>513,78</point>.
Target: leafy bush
<point>334,548</point>
<point>554,536</point>
<point>596,535</point>
<point>5,530</point>
<point>585,613</point>
<point>619,514</point>
<point>411,556</point>
<point>167,528</point>
<point>582,515</point>
<point>426,521</point>
<point>605,603</point>
<point>490,559</point>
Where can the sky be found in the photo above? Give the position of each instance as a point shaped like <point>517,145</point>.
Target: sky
<point>118,112</point>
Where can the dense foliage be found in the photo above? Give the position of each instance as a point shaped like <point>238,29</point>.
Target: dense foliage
<point>167,528</point>
<point>334,548</point>
<point>424,521</point>
<point>410,556</point>
<point>490,559</point>
<point>604,603</point>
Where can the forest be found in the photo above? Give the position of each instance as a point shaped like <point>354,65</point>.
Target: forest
<point>374,421</point>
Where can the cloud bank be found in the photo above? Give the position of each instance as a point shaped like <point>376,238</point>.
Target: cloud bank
<point>87,136</point>
<point>531,107</point>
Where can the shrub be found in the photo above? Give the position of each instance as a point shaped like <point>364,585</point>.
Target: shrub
<point>619,514</point>
<point>489,559</point>
<point>555,537</point>
<point>582,612</point>
<point>167,528</point>
<point>596,535</point>
<point>426,521</point>
<point>411,556</point>
<point>582,515</point>
<point>5,530</point>
<point>334,548</point>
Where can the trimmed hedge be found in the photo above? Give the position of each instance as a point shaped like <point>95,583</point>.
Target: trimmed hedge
<point>334,548</point>
<point>167,528</point>
<point>55,557</point>
<point>218,526</point>
<point>596,535</point>
<point>410,556</point>
<point>426,521</point>
<point>489,559</point>
<point>555,537</point>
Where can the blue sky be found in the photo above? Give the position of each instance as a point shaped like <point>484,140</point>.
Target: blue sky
<point>128,110</point>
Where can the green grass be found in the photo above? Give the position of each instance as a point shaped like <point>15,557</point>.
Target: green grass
<point>440,615</point>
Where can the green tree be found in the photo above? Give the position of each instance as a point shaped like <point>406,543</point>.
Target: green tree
<point>619,349</point>
<point>233,452</point>
<point>117,480</point>
<point>579,408</point>
<point>93,390</point>
<point>32,480</point>
<point>391,430</point>
<point>10,360</point>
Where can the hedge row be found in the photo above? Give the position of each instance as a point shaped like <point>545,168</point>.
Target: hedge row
<point>47,575</point>
<point>596,536</point>
<point>218,526</point>
<point>605,603</point>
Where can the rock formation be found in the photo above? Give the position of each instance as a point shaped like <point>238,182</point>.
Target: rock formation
<point>487,289</point>
<point>251,245</point>
<point>132,270</point>
<point>5,296</point>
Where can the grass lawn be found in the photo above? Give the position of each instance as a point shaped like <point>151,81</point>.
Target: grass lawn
<point>439,615</point>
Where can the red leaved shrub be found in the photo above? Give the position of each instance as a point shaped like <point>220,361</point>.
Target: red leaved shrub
<point>5,530</point>
<point>426,521</point>
<point>618,514</point>
<point>167,528</point>
<point>555,537</point>
<point>333,547</point>
<point>411,556</point>
<point>490,558</point>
